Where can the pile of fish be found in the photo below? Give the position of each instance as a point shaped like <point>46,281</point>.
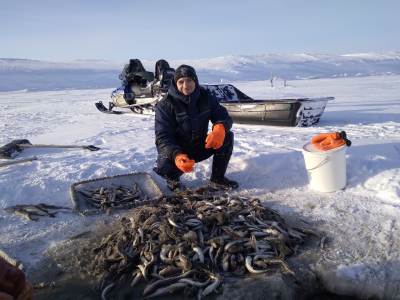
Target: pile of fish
<point>190,240</point>
<point>40,209</point>
<point>119,196</point>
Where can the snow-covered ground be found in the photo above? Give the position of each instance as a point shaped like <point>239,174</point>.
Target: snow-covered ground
<point>361,222</point>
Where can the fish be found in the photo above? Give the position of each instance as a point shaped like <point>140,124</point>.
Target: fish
<point>271,260</point>
<point>165,250</point>
<point>112,196</point>
<point>53,209</point>
<point>136,279</point>
<point>200,253</point>
<point>41,209</point>
<point>166,241</point>
<point>230,244</point>
<point>24,213</point>
<point>168,281</point>
<point>199,294</point>
<point>106,290</point>
<point>250,268</point>
<point>186,263</point>
<point>211,288</point>
<point>225,261</point>
<point>195,283</point>
<point>168,290</point>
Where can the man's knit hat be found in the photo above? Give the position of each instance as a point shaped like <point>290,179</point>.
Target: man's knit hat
<point>185,71</point>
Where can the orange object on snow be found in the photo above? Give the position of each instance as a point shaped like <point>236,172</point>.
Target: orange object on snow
<point>327,141</point>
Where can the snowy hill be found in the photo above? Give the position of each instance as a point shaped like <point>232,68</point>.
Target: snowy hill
<point>32,75</point>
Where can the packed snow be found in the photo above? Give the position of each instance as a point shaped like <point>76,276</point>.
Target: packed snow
<point>53,103</point>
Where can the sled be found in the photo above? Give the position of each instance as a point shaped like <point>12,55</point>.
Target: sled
<point>283,112</point>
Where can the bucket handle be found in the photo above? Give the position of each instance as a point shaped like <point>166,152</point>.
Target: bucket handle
<point>320,164</point>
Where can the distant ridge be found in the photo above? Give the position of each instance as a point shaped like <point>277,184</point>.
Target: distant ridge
<point>34,75</point>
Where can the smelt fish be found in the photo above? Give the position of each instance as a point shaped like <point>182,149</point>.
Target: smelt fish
<point>163,254</point>
<point>176,287</point>
<point>211,288</point>
<point>106,290</point>
<point>199,292</point>
<point>155,275</point>
<point>196,283</point>
<point>199,252</point>
<point>176,225</point>
<point>279,261</point>
<point>136,279</point>
<point>186,263</point>
<point>230,244</point>
<point>160,283</point>
<point>250,268</point>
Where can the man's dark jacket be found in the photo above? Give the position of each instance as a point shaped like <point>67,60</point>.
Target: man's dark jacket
<point>181,122</point>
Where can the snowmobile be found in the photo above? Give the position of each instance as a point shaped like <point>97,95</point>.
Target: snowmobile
<point>141,90</point>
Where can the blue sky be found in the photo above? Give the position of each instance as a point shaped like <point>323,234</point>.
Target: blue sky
<point>57,30</point>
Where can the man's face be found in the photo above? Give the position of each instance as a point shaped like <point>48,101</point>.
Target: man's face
<point>186,85</point>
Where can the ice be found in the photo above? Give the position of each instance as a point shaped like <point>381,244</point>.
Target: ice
<point>361,222</point>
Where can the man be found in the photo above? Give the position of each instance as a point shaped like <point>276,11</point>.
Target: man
<point>181,126</point>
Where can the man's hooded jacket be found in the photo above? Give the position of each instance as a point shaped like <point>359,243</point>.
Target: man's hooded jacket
<point>181,121</point>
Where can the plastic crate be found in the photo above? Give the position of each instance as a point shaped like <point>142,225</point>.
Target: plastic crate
<point>145,182</point>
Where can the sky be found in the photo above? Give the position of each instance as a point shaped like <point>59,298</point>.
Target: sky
<point>150,30</point>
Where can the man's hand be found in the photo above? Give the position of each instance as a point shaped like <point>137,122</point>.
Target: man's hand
<point>12,279</point>
<point>216,138</point>
<point>183,162</point>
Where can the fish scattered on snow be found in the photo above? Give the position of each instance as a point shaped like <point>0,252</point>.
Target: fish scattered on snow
<point>192,239</point>
<point>40,209</point>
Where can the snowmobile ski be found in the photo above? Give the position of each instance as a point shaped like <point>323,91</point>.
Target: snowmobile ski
<point>100,106</point>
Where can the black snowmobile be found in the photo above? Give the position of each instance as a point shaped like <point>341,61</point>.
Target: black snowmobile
<point>141,90</point>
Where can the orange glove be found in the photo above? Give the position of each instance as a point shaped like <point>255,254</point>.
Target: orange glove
<point>183,162</point>
<point>327,141</point>
<point>321,137</point>
<point>216,138</point>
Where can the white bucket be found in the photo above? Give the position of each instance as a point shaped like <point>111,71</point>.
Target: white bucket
<point>326,170</point>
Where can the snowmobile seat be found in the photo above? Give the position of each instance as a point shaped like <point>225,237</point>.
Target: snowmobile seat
<point>148,76</point>
<point>165,75</point>
<point>136,69</point>
<point>160,64</point>
<point>135,65</point>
